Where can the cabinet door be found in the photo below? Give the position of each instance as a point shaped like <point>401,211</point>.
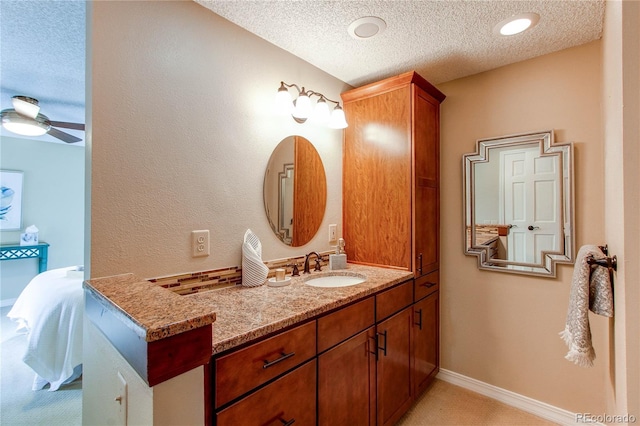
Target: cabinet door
<point>346,382</point>
<point>425,341</point>
<point>377,179</point>
<point>288,400</point>
<point>394,386</point>
<point>426,182</point>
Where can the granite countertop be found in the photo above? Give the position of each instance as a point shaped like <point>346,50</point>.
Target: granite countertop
<point>247,313</point>
<point>151,311</point>
<point>238,314</point>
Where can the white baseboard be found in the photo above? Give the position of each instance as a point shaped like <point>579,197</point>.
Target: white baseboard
<point>7,302</point>
<point>530,405</point>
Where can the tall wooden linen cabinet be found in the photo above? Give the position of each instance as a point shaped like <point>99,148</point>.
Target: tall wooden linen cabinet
<point>391,217</point>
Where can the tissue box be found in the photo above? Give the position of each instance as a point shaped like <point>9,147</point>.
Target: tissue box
<point>29,239</point>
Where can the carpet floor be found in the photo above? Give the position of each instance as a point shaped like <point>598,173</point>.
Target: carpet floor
<point>20,406</point>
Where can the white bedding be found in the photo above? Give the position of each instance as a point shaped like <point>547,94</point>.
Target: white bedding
<point>50,310</point>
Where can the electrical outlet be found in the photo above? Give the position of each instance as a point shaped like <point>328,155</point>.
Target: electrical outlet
<point>200,243</point>
<point>333,232</point>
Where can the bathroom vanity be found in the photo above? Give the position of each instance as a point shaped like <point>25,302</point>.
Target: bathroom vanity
<point>362,361</point>
<point>348,355</point>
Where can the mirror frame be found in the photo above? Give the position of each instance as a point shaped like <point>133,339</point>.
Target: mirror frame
<point>309,191</point>
<point>547,266</point>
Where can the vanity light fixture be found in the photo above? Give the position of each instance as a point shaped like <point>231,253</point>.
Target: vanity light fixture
<point>516,24</point>
<point>301,108</point>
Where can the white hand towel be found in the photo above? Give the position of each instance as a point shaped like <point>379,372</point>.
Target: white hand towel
<point>590,290</point>
<point>254,271</point>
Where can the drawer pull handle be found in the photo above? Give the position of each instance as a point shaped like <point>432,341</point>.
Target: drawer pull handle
<point>283,356</point>
<point>428,284</point>
<point>383,348</point>
<point>287,423</point>
<point>419,324</point>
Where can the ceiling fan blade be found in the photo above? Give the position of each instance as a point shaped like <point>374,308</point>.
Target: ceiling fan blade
<point>65,137</point>
<point>67,125</point>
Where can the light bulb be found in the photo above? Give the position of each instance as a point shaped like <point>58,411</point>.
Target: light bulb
<point>338,120</point>
<point>302,107</point>
<point>516,24</point>
<point>321,112</point>
<point>284,104</point>
<point>21,125</point>
<point>515,27</point>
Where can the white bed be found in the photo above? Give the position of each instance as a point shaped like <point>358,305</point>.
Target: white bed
<point>50,311</point>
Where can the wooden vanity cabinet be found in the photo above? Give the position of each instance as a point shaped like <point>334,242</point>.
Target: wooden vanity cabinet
<point>425,342</point>
<point>347,366</point>
<point>391,173</point>
<point>288,400</point>
<point>391,193</point>
<point>243,370</point>
<point>347,382</point>
<point>394,385</point>
<point>361,364</point>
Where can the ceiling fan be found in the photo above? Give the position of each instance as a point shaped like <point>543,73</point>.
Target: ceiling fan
<point>25,119</point>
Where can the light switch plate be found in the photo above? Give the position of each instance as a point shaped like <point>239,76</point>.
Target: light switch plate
<point>333,232</point>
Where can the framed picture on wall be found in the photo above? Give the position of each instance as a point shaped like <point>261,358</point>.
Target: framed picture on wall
<point>10,200</point>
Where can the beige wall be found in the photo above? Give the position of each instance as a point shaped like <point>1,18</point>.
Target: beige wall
<point>499,328</point>
<point>182,131</point>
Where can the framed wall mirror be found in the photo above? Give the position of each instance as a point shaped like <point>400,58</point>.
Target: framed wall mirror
<point>295,191</point>
<point>519,208</point>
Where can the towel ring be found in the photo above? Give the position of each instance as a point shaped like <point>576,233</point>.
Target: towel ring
<point>607,262</point>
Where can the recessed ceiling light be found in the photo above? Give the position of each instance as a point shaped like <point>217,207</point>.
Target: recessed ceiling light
<point>516,24</point>
<point>366,27</point>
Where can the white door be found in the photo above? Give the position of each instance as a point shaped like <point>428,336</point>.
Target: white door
<point>531,203</point>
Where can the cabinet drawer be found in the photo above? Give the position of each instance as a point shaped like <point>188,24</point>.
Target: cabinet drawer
<point>344,323</point>
<point>426,285</point>
<point>243,370</point>
<point>393,300</point>
<point>291,398</point>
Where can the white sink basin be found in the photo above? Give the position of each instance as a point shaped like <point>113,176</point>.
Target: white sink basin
<point>335,279</point>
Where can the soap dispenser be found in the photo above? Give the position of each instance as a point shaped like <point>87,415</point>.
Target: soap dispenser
<point>339,259</point>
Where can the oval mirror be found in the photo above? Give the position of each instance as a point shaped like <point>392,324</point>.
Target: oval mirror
<point>519,214</point>
<point>295,191</point>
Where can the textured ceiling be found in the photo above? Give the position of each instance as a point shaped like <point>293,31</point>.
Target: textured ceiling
<point>42,55</point>
<point>442,40</point>
<point>42,43</point>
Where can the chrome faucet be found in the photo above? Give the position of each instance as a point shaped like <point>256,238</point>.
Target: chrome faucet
<point>306,263</point>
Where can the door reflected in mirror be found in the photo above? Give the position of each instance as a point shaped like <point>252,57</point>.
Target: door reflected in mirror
<point>295,191</point>
<point>519,204</point>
